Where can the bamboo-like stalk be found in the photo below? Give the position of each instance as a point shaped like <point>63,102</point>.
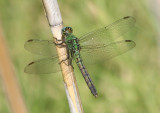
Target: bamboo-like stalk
<point>9,81</point>
<point>55,21</point>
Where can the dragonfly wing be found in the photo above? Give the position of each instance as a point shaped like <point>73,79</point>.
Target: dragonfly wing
<point>109,33</point>
<point>41,47</point>
<point>43,66</point>
<point>102,52</point>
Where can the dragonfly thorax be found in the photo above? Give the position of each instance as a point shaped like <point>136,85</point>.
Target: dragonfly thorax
<point>71,41</point>
<point>73,45</point>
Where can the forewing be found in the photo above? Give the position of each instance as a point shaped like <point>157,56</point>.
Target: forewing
<point>108,34</point>
<point>41,47</point>
<point>43,66</point>
<point>103,52</point>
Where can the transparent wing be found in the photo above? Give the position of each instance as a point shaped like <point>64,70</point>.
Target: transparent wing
<point>91,54</point>
<point>41,47</point>
<point>43,66</point>
<point>108,34</point>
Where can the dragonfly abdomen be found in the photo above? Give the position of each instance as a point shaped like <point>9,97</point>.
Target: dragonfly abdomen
<point>86,76</point>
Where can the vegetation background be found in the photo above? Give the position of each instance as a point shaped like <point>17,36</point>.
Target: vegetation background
<point>129,83</point>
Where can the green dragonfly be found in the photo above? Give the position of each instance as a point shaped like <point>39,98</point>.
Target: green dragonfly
<point>89,48</point>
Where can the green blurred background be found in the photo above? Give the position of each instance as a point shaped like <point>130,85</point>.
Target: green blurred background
<point>129,83</point>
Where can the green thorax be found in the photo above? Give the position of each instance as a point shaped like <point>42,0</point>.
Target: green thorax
<point>71,42</point>
<point>73,45</point>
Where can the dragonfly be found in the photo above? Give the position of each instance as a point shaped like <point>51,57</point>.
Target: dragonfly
<point>94,46</point>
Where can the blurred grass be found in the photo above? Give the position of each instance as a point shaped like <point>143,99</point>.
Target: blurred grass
<point>127,84</point>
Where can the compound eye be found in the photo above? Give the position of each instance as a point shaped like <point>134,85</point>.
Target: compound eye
<point>70,29</point>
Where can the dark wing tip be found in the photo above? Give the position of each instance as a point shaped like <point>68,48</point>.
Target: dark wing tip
<point>26,68</point>
<point>30,40</point>
<point>31,63</point>
<point>128,40</point>
<point>129,17</point>
<point>134,44</point>
<point>126,17</point>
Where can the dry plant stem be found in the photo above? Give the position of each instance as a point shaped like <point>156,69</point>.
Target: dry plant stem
<point>55,21</point>
<point>9,81</point>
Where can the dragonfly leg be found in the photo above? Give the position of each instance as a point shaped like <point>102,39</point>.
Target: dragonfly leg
<point>69,60</point>
<point>60,45</point>
<point>58,41</point>
<point>66,59</point>
<point>65,62</point>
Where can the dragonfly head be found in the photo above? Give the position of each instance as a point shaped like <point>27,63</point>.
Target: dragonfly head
<point>67,30</point>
